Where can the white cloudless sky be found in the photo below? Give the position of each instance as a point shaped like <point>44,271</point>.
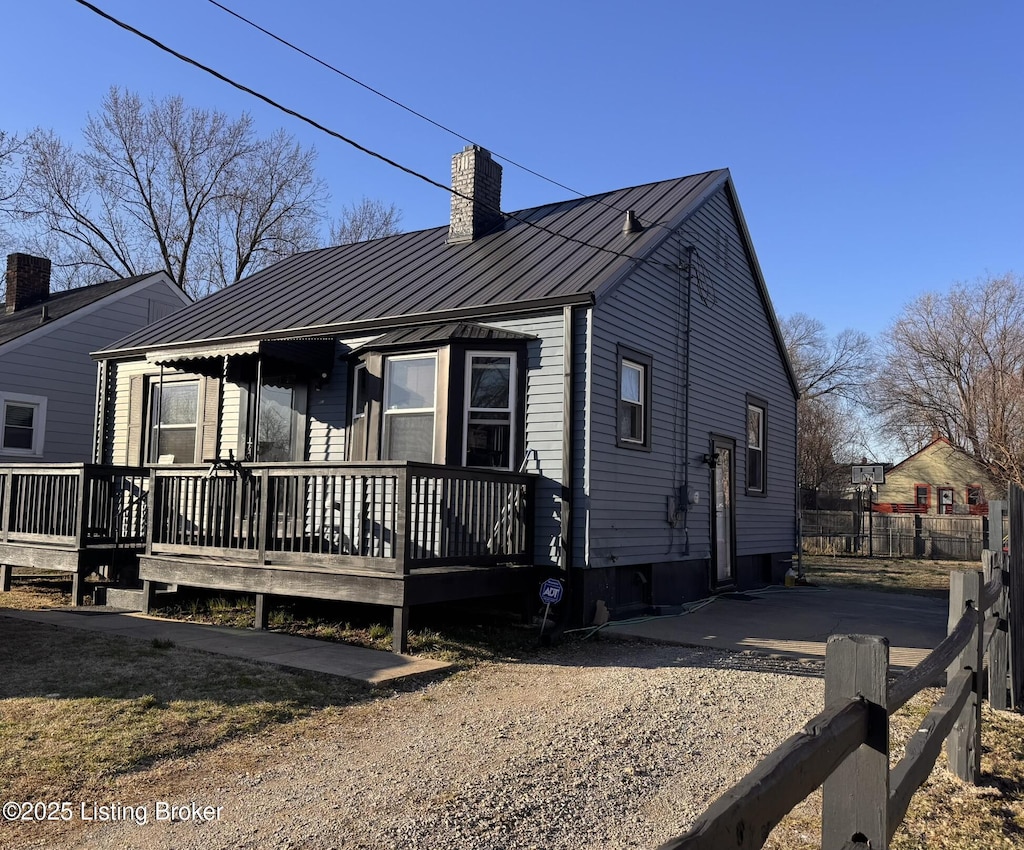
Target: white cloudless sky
<point>875,146</point>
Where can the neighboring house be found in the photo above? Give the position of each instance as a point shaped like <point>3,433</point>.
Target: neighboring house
<point>47,377</point>
<point>596,387</point>
<point>939,479</point>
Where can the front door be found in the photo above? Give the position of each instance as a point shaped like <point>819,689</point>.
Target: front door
<point>722,518</point>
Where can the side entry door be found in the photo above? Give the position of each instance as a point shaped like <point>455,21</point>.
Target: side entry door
<point>723,519</point>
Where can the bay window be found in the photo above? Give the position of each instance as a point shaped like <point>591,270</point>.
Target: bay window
<point>409,404</point>
<point>490,402</point>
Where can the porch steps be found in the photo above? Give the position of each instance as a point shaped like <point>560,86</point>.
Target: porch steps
<point>129,599</point>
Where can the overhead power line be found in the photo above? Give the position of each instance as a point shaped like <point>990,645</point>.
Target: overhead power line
<point>335,134</point>
<point>412,111</point>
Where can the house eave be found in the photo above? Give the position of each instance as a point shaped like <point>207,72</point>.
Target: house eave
<point>242,342</point>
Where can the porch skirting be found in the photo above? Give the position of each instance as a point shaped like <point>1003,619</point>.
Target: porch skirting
<point>111,562</point>
<point>420,587</point>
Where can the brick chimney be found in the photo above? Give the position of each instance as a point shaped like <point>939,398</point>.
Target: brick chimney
<point>477,176</point>
<point>28,281</point>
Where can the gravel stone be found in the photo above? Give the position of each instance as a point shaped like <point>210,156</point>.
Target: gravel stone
<point>600,745</point>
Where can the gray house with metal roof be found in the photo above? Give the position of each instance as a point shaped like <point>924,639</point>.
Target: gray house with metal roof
<point>596,388</point>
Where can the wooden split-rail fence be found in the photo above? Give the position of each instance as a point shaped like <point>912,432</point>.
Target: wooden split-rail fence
<point>845,748</point>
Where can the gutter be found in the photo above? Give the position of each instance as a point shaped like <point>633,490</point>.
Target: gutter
<point>542,305</point>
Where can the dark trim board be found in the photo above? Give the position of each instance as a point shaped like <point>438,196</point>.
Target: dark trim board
<point>422,587</point>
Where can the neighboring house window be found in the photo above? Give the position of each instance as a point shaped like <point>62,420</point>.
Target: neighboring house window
<point>755,447</point>
<point>975,495</point>
<point>634,405</point>
<point>490,401</point>
<point>921,493</point>
<point>409,401</point>
<point>174,422</point>
<point>24,424</point>
<point>945,500</point>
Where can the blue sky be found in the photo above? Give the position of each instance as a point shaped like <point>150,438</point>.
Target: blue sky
<point>876,147</point>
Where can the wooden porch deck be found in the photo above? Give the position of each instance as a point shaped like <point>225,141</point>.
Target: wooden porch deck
<point>394,534</point>
<point>74,518</point>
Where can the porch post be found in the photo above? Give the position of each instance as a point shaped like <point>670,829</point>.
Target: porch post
<point>5,578</point>
<point>6,502</point>
<point>400,629</point>
<point>77,587</point>
<point>147,596</point>
<point>261,612</point>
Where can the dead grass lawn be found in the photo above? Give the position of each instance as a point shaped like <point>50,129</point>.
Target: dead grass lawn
<point>919,577</point>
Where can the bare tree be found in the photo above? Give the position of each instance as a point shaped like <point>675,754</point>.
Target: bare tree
<point>11,149</point>
<point>165,186</point>
<point>369,219</point>
<point>954,366</point>
<point>838,366</point>
<point>831,374</point>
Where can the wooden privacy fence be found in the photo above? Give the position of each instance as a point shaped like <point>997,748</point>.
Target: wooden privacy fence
<point>951,538</point>
<point>845,748</point>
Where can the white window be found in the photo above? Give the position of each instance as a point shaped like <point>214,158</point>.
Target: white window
<point>755,448</point>
<point>23,424</point>
<point>409,401</point>
<point>173,422</point>
<point>631,402</point>
<point>490,399</point>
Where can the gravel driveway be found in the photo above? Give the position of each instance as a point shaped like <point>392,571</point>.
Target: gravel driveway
<point>605,745</point>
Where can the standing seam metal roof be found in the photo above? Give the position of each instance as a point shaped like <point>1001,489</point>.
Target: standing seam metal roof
<point>419,274</point>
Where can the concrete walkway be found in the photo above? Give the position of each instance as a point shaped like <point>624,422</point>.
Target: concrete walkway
<point>783,622</point>
<point>796,622</point>
<point>335,659</point>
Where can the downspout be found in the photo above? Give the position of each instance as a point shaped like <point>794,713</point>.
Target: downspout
<point>568,412</point>
<point>257,406</point>
<point>100,419</point>
<point>687,314</point>
<point>160,415</point>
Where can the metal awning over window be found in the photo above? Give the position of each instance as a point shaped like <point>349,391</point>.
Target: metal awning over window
<point>309,357</point>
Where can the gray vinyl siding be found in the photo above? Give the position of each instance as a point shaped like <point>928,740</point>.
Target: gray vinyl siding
<point>56,364</point>
<point>733,352</point>
<point>544,412</point>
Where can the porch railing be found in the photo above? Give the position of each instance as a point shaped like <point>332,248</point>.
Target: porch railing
<point>382,516</point>
<point>73,505</point>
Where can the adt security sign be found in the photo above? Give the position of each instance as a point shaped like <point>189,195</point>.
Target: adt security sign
<point>551,591</point>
